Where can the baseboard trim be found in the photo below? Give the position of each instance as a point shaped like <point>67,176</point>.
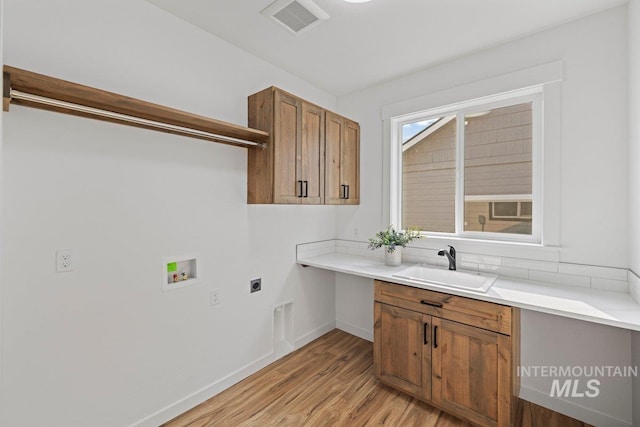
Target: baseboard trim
<point>207,392</point>
<point>354,330</point>
<point>315,334</point>
<point>571,409</point>
<point>183,405</point>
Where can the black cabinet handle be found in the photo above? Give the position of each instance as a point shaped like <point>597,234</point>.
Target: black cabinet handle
<point>347,192</point>
<point>299,189</point>
<point>432,304</point>
<point>343,189</point>
<point>306,188</point>
<point>435,337</point>
<point>425,332</point>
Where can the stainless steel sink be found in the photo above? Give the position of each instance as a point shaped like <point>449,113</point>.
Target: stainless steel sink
<point>476,282</point>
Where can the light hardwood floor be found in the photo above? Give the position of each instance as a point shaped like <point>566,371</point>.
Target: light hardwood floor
<point>331,382</point>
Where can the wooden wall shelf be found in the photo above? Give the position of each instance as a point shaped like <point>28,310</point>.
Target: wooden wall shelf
<point>145,114</point>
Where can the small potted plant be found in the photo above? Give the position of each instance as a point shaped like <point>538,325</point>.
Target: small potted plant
<point>394,241</point>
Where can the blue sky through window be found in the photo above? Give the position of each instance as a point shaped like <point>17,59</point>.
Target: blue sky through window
<point>410,130</point>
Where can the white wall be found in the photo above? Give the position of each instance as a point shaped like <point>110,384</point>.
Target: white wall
<point>593,171</point>
<point>104,343</point>
<point>354,305</point>
<point>1,181</point>
<point>549,340</point>
<point>594,129</point>
<point>634,172</point>
<point>634,133</point>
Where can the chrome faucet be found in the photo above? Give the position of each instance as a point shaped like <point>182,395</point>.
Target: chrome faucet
<point>451,256</point>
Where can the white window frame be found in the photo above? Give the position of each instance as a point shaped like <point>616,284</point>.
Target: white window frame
<point>532,94</point>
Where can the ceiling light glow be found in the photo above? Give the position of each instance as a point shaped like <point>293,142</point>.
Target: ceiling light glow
<point>357,1</point>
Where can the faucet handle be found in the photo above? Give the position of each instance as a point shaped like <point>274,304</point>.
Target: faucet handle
<point>452,251</point>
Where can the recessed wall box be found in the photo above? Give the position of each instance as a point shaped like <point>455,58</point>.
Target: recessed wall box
<point>179,271</point>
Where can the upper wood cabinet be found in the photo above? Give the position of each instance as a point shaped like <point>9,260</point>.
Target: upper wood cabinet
<point>293,168</point>
<point>342,166</point>
<point>312,152</point>
<point>287,131</point>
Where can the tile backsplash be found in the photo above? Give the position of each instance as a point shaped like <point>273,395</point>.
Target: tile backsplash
<point>587,276</point>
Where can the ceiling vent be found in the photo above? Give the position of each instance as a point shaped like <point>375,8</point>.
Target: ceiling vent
<point>296,16</point>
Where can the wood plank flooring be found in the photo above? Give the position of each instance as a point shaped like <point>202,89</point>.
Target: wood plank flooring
<point>331,382</point>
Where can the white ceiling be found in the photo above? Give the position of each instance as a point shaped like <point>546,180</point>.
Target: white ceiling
<point>363,44</point>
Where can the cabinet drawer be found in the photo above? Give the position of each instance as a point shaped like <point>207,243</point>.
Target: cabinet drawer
<point>482,314</point>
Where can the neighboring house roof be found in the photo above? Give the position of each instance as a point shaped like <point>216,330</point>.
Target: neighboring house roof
<point>429,130</point>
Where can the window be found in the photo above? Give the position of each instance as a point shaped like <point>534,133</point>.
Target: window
<point>471,170</point>
<point>516,211</point>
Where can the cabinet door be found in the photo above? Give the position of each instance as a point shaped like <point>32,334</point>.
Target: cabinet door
<point>334,133</point>
<point>472,372</point>
<point>342,161</point>
<point>402,351</point>
<point>350,165</point>
<point>312,154</point>
<point>286,138</point>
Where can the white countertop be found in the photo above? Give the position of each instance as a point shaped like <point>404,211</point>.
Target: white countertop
<point>608,308</point>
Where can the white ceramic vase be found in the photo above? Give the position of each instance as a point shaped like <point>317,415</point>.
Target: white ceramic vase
<point>393,259</point>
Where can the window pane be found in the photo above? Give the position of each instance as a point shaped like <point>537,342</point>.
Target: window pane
<point>505,209</point>
<point>498,170</point>
<point>410,130</point>
<point>429,176</point>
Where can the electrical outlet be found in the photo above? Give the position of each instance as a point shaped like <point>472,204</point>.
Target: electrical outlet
<point>214,297</point>
<point>256,285</point>
<point>64,260</point>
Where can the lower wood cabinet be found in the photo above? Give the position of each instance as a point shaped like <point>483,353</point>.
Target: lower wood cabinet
<point>461,368</point>
<point>402,357</point>
<point>472,372</point>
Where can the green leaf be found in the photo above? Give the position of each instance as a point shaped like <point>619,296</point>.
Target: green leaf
<point>392,238</point>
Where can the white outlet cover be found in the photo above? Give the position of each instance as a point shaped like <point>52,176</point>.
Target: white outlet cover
<point>64,260</point>
<point>214,297</point>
